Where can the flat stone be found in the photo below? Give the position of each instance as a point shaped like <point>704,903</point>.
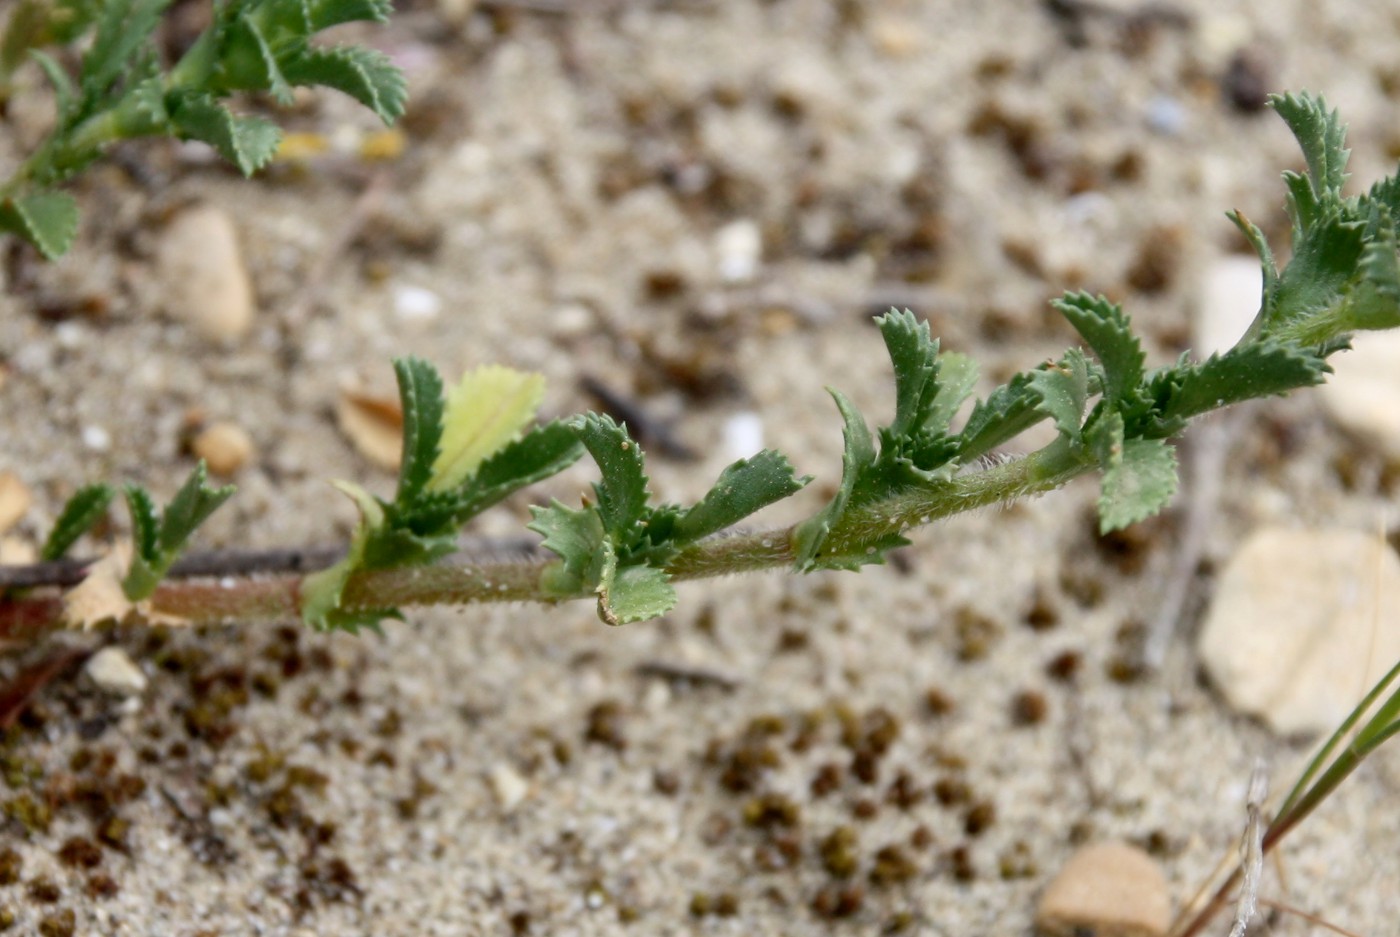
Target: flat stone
<point>1300,627</point>
<point>1363,396</point>
<point>14,500</point>
<point>112,670</point>
<point>204,279</point>
<point>1107,890</point>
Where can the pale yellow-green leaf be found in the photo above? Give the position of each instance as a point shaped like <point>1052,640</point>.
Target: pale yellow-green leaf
<point>487,410</point>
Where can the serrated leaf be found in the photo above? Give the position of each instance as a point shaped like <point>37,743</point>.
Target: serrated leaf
<point>1322,137</point>
<point>248,60</point>
<point>326,13</point>
<point>1374,300</point>
<point>122,28</point>
<point>85,508</point>
<point>1109,334</point>
<point>1063,389</point>
<point>744,487</point>
<point>1243,373</point>
<point>632,593</point>
<point>247,142</point>
<point>366,75</point>
<point>190,507</point>
<point>420,397</point>
<point>622,491</point>
<point>1007,411</point>
<point>957,376</point>
<point>1324,262</point>
<point>145,522</point>
<point>576,537</point>
<point>857,456</point>
<point>543,452</point>
<point>914,355</point>
<point>487,409</point>
<point>1137,483</point>
<point>48,220</point>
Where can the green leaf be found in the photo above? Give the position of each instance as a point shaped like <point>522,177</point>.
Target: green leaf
<point>1322,137</point>
<point>632,593</point>
<point>1324,262</point>
<point>858,455</point>
<point>914,355</point>
<point>249,62</point>
<point>744,487</point>
<point>487,409</point>
<point>64,92</point>
<point>321,592</point>
<point>85,508</point>
<point>247,142</point>
<point>145,522</point>
<point>1006,413</point>
<point>1107,331</point>
<point>123,27</point>
<point>576,537</point>
<point>622,492</point>
<point>48,220</point>
<point>957,376</point>
<point>326,13</point>
<point>1374,300</point>
<point>1267,265</point>
<point>1244,372</point>
<point>1139,475</point>
<point>541,453</point>
<point>420,394</point>
<point>1063,389</point>
<point>190,507</point>
<point>365,74</point>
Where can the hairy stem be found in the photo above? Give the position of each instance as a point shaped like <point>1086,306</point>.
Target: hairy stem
<point>237,599</point>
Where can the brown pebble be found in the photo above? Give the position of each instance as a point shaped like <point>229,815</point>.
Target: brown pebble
<point>225,447</point>
<point>1109,890</point>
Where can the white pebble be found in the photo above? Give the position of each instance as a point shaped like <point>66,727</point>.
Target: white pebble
<point>114,672</point>
<point>1364,393</point>
<point>96,438</point>
<point>739,245</point>
<point>1227,303</point>
<point>416,304</point>
<point>743,435</point>
<point>508,786</point>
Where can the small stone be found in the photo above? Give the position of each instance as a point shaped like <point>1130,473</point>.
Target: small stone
<point>1296,633</point>
<point>416,304</point>
<point>17,552</point>
<point>14,500</point>
<point>508,786</point>
<point>97,438</point>
<point>1226,304</point>
<point>205,280</point>
<point>1108,890</point>
<point>225,448</point>
<point>115,672</point>
<point>1363,395</point>
<point>739,246</point>
<point>374,425</point>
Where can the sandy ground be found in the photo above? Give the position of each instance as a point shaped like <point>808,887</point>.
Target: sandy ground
<point>565,193</point>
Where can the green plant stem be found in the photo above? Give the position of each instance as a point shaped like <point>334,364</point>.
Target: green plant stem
<point>454,582</point>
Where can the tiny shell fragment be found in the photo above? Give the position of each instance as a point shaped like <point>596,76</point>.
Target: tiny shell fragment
<point>14,500</point>
<point>374,425</point>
